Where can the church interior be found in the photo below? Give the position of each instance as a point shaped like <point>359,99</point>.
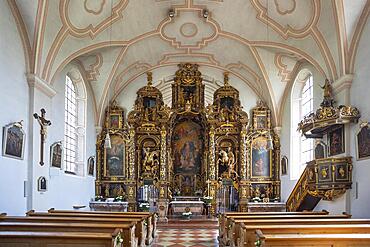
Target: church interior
<point>185,123</point>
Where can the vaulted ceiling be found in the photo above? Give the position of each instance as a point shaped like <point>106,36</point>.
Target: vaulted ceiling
<point>262,43</point>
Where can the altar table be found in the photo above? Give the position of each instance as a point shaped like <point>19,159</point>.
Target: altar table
<point>184,204</point>
<point>109,206</point>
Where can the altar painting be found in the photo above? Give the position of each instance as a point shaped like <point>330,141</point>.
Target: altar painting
<point>261,158</point>
<point>187,148</point>
<point>114,157</point>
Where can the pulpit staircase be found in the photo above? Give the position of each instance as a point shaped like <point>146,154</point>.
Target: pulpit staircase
<point>326,178</point>
<point>300,199</point>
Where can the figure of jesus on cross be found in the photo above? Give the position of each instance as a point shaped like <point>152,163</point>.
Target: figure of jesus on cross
<point>43,124</point>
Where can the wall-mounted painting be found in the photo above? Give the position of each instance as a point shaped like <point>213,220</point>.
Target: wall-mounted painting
<point>41,184</point>
<point>114,157</point>
<point>336,141</point>
<point>56,150</point>
<point>91,165</point>
<point>320,150</point>
<point>187,148</point>
<point>14,140</point>
<point>363,141</point>
<point>284,165</point>
<point>261,158</point>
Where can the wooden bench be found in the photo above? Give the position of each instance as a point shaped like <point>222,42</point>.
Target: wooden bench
<point>295,240</point>
<point>65,239</point>
<point>248,236</point>
<point>222,217</point>
<point>144,230</point>
<point>140,228</point>
<point>152,218</point>
<point>231,228</point>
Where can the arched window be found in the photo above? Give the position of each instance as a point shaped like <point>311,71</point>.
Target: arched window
<point>302,105</point>
<point>74,124</point>
<point>306,109</point>
<point>70,126</point>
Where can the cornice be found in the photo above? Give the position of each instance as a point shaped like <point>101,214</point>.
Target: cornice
<point>36,82</point>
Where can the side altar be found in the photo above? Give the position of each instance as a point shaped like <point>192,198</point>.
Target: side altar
<point>214,152</point>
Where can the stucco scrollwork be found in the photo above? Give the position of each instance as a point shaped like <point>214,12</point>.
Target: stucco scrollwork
<point>184,34</point>
<point>289,18</point>
<point>81,24</point>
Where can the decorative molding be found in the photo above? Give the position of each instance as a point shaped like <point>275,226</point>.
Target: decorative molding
<point>344,82</point>
<point>92,11</point>
<point>91,30</point>
<point>93,72</point>
<point>286,11</point>
<point>287,30</point>
<point>195,39</point>
<point>36,82</point>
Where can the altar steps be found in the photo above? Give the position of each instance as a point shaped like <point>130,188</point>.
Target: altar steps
<point>195,222</point>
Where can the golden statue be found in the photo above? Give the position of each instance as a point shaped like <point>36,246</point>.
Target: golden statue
<point>150,160</point>
<point>106,192</point>
<point>327,89</point>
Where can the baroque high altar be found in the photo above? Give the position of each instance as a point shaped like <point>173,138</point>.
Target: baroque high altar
<point>160,153</point>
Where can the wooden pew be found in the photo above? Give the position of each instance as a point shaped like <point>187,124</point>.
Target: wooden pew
<point>248,236</point>
<point>222,217</point>
<point>144,230</point>
<point>140,229</point>
<point>65,239</point>
<point>232,229</point>
<point>293,240</point>
<point>151,222</point>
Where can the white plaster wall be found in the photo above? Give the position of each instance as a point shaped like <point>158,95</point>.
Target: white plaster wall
<point>13,107</point>
<point>287,184</point>
<point>360,91</point>
<point>64,190</point>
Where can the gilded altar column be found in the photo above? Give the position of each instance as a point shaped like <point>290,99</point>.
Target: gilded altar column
<point>131,183</point>
<point>212,170</point>
<point>163,179</point>
<point>244,184</point>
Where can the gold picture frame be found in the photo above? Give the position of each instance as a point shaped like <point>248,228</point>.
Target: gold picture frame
<point>363,142</point>
<point>261,158</point>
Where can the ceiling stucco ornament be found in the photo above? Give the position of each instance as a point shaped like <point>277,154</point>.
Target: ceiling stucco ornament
<point>285,63</point>
<point>289,18</point>
<point>189,29</point>
<point>92,65</point>
<point>94,17</point>
<point>284,7</point>
<point>93,6</point>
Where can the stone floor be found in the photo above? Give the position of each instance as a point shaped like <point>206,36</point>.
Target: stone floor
<point>196,232</point>
<point>186,237</point>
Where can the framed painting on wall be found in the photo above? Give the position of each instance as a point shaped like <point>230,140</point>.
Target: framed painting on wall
<point>336,141</point>
<point>261,158</point>
<point>14,140</point>
<point>284,165</point>
<point>56,150</point>
<point>41,184</point>
<point>363,142</point>
<point>91,165</point>
<point>114,157</point>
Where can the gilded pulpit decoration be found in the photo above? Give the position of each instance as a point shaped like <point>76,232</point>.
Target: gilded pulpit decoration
<point>44,123</point>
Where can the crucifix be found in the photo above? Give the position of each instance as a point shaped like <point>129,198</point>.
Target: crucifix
<point>43,124</point>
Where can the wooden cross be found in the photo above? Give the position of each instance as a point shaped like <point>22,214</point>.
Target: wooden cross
<point>43,124</point>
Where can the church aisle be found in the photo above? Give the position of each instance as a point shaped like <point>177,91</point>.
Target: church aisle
<point>186,237</point>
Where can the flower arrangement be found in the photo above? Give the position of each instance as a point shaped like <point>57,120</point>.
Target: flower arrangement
<point>99,199</point>
<point>118,240</point>
<point>186,214</point>
<point>207,199</point>
<point>144,206</point>
<point>119,199</point>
